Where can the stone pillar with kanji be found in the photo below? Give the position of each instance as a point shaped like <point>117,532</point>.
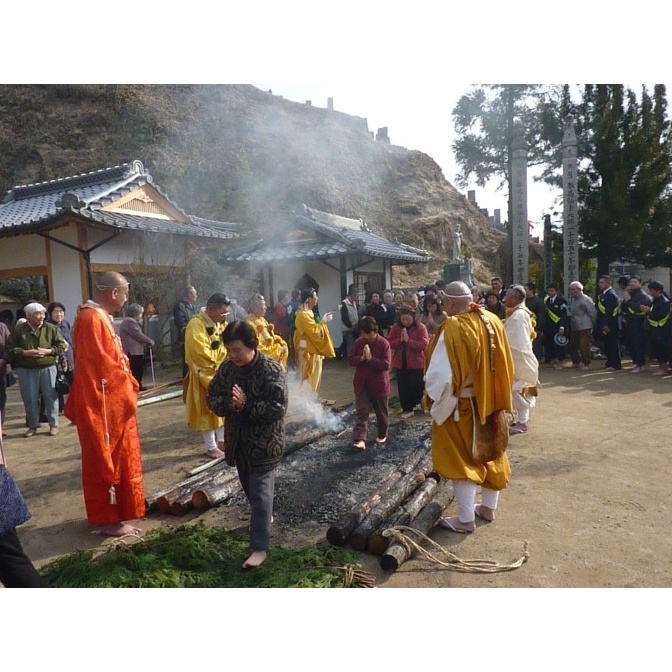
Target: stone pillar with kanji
<point>570,189</point>
<point>520,226</point>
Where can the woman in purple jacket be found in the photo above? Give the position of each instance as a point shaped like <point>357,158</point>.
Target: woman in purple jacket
<point>409,340</point>
<point>133,341</point>
<point>371,356</point>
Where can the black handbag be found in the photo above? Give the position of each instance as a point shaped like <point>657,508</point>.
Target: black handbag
<point>13,507</point>
<point>62,385</point>
<point>10,379</point>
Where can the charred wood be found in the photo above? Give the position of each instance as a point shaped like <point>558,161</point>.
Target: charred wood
<point>389,501</point>
<point>295,440</point>
<point>397,554</point>
<point>338,533</point>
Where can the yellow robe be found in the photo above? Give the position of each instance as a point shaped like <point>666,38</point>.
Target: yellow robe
<point>203,361</point>
<point>312,343</point>
<point>269,343</point>
<point>468,349</point>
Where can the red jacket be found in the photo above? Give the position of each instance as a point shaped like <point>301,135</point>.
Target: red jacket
<point>281,328</point>
<point>373,375</point>
<point>418,340</point>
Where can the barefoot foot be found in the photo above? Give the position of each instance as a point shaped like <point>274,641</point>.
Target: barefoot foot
<point>119,530</point>
<point>256,559</point>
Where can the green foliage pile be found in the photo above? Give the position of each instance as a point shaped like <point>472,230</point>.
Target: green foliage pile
<point>196,556</point>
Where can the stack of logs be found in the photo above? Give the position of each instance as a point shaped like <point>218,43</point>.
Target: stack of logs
<point>216,483</point>
<point>203,490</point>
<point>412,495</point>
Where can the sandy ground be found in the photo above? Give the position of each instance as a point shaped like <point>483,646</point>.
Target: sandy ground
<point>589,493</point>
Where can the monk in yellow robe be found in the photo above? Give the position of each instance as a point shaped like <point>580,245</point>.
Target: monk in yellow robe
<point>272,345</point>
<point>312,340</point>
<point>203,353</point>
<point>463,388</point>
<point>102,403</point>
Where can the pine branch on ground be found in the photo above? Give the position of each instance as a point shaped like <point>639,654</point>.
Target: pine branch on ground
<point>196,556</point>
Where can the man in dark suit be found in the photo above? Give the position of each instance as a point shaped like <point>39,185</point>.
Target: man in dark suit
<point>606,328</point>
<point>556,324</point>
<point>183,311</point>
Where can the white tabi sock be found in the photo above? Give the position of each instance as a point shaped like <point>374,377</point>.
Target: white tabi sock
<point>489,498</point>
<point>465,492</point>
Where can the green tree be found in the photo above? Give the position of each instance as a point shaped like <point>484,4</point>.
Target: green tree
<point>624,175</point>
<point>483,121</point>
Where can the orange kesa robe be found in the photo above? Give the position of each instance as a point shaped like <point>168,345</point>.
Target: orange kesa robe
<point>106,424</point>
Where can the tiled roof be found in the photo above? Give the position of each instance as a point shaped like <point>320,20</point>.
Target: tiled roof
<point>32,206</point>
<point>340,236</point>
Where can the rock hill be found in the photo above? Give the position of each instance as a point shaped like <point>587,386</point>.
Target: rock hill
<point>236,153</point>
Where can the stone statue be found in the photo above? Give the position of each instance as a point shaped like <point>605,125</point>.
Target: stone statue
<point>457,244</point>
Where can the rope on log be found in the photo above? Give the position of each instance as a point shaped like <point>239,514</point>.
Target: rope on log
<point>454,563</point>
<point>404,514</point>
<point>397,554</point>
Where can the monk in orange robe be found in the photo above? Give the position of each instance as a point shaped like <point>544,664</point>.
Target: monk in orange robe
<point>102,403</point>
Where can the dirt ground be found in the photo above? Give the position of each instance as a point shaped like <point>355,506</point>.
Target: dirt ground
<point>589,493</point>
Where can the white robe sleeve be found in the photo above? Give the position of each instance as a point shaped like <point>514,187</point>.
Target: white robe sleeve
<point>439,383</point>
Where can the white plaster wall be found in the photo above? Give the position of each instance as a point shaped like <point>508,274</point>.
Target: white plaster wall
<point>374,266</point>
<point>65,272</point>
<point>131,248</point>
<point>285,277</point>
<point>119,250</point>
<point>329,280</point>
<point>22,251</point>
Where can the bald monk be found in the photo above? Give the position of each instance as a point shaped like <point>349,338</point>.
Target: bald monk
<point>272,345</point>
<point>462,388</point>
<point>102,403</point>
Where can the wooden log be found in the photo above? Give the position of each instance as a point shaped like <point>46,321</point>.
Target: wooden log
<point>163,499</point>
<point>213,494</point>
<point>200,497</point>
<point>161,386</point>
<point>302,439</point>
<point>397,494</point>
<point>182,505</point>
<point>339,532</point>
<point>397,554</point>
<point>404,514</point>
<point>207,465</point>
<point>159,397</point>
<point>164,502</point>
<point>193,492</point>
